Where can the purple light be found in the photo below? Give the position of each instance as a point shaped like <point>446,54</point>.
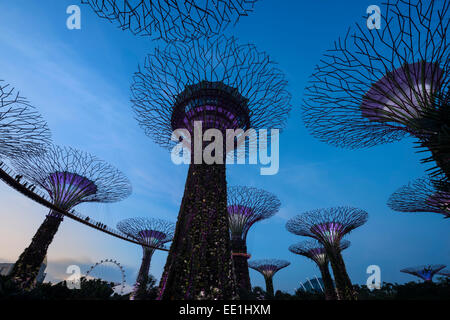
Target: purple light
<point>69,189</point>
<point>331,232</point>
<point>241,218</point>
<point>440,200</point>
<point>211,117</point>
<point>152,237</point>
<point>402,94</point>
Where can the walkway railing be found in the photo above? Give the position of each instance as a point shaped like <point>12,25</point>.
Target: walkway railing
<point>25,187</point>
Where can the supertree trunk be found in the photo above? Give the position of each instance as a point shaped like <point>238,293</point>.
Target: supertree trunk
<point>344,286</point>
<point>240,262</point>
<point>330,292</point>
<point>27,267</point>
<point>142,278</point>
<point>269,286</point>
<point>199,262</point>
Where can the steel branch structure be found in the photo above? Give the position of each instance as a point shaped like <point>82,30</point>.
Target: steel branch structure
<point>70,177</point>
<point>315,251</point>
<point>153,232</point>
<point>329,226</point>
<point>422,195</point>
<point>22,129</point>
<point>425,272</point>
<point>172,19</point>
<point>378,86</point>
<point>268,268</point>
<point>219,84</point>
<point>246,206</point>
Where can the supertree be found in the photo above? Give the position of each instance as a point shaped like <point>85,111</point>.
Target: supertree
<point>152,232</point>
<point>268,268</point>
<point>315,251</point>
<point>329,226</point>
<point>70,177</point>
<point>426,272</point>
<point>246,206</point>
<point>22,129</point>
<point>220,85</point>
<point>172,19</point>
<point>422,195</point>
<point>378,86</point>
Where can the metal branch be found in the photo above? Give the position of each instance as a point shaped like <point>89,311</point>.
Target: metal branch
<point>22,129</point>
<point>172,19</point>
<point>374,86</point>
<point>248,205</point>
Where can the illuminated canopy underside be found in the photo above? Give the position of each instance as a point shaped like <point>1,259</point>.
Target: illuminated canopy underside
<point>400,96</point>
<point>215,104</point>
<point>69,189</point>
<point>331,232</point>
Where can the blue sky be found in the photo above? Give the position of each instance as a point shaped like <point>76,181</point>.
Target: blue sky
<point>80,79</point>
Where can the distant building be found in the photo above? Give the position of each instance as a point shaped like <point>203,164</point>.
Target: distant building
<point>6,268</point>
<point>41,275</point>
<point>310,285</point>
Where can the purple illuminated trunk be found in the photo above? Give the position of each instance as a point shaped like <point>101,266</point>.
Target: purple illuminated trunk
<point>240,263</point>
<point>142,278</point>
<point>330,293</point>
<point>344,286</point>
<point>27,266</point>
<point>199,262</point>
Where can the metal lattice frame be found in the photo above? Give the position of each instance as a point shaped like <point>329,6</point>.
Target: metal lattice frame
<point>22,129</point>
<point>71,177</point>
<point>248,205</point>
<point>153,232</point>
<point>268,268</point>
<point>329,226</point>
<point>422,195</point>
<point>223,85</point>
<point>168,72</point>
<point>137,228</point>
<point>373,86</point>
<point>172,19</point>
<point>425,272</point>
<point>315,251</point>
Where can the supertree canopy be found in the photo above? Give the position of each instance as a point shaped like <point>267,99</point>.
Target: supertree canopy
<point>329,226</point>
<point>172,19</point>
<point>154,233</point>
<point>378,86</point>
<point>246,206</point>
<point>315,251</point>
<point>70,177</point>
<point>22,129</point>
<point>422,195</point>
<point>221,85</point>
<point>268,268</point>
<point>426,272</point>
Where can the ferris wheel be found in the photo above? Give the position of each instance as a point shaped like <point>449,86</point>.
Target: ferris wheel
<point>111,271</point>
